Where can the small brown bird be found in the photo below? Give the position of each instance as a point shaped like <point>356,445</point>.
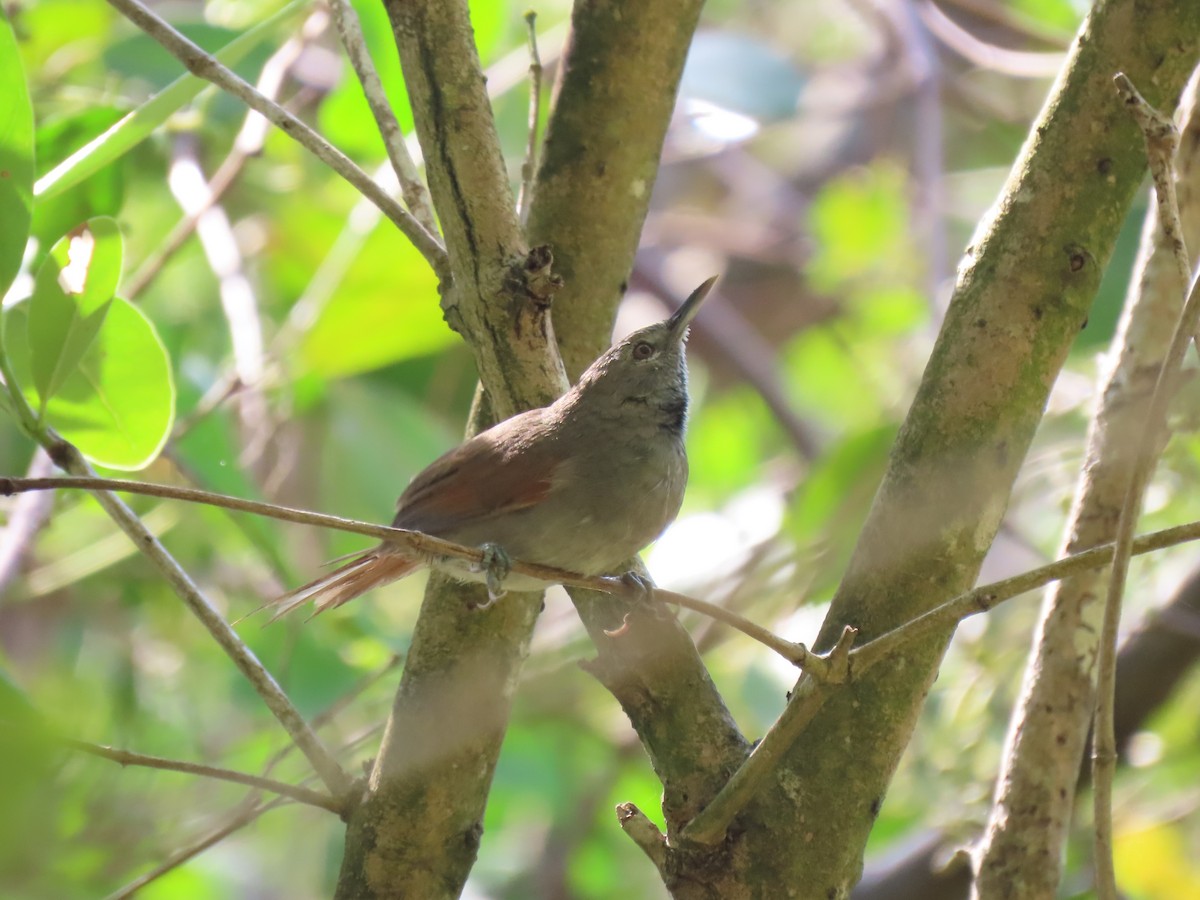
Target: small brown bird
<point>582,484</point>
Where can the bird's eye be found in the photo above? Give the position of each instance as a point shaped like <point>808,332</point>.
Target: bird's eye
<point>642,350</point>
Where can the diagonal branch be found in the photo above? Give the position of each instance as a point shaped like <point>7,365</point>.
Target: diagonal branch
<point>323,762</point>
<point>1161,141</point>
<point>412,188</point>
<point>129,758</point>
<point>1023,290</point>
<point>203,65</point>
<point>1035,796</point>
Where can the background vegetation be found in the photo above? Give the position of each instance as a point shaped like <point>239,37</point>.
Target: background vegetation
<point>829,160</point>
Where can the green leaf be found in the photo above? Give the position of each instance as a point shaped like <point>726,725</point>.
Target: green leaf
<point>118,405</point>
<point>344,116</point>
<point>861,228</point>
<point>136,126</point>
<point>71,295</point>
<point>100,194</point>
<point>384,311</point>
<point>16,158</point>
<point>492,21</point>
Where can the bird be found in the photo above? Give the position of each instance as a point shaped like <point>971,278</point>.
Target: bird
<point>583,484</point>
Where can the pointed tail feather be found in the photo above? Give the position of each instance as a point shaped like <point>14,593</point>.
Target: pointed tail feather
<point>367,571</point>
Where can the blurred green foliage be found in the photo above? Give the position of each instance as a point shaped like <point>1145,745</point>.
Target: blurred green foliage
<point>363,385</point>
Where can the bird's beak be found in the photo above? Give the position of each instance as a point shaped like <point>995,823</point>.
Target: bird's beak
<point>678,324</point>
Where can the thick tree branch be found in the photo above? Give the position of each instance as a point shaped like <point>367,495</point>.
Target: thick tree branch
<point>1035,791</point>
<point>1023,292</point>
<point>421,820</point>
<point>616,93</point>
<point>618,81</point>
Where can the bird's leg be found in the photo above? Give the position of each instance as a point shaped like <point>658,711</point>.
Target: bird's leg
<point>497,564</point>
<point>644,585</point>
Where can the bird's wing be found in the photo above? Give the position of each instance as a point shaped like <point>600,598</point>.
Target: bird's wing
<point>505,469</point>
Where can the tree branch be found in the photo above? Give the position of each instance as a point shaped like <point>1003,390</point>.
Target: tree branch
<point>323,762</point>
<point>412,188</point>
<point>129,758</point>
<point>625,55</point>
<point>1022,294</point>
<point>1161,142</point>
<point>249,142</point>
<point>204,66</point>
<point>1035,790</point>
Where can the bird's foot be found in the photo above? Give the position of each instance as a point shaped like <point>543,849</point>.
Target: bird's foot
<point>496,564</point>
<point>644,599</point>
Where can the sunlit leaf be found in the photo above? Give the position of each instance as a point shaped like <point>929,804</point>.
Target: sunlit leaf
<point>860,224</point>
<point>71,296</point>
<point>344,116</point>
<point>491,20</point>
<point>384,311</point>
<point>118,404</point>
<point>16,158</point>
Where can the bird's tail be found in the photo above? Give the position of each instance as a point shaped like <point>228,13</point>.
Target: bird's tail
<point>372,569</point>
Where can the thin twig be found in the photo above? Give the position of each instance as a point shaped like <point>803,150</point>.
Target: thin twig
<point>412,188</point>
<point>248,143</point>
<point>203,65</point>
<point>264,684</point>
<point>1161,143</point>
<point>529,166</point>
<point>435,550</point>
<point>811,692</point>
<point>980,599</point>
<point>129,758</point>
<point>240,819</point>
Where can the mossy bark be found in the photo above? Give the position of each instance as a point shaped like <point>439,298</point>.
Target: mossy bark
<point>1023,293</point>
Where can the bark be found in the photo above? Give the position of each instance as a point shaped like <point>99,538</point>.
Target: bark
<point>1022,295</point>
<point>1022,848</point>
<point>419,827</point>
<point>614,101</point>
<point>417,831</point>
<point>627,57</point>
<point>1154,660</point>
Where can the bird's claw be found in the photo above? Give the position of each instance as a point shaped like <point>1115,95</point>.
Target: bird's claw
<point>644,585</point>
<point>496,563</point>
